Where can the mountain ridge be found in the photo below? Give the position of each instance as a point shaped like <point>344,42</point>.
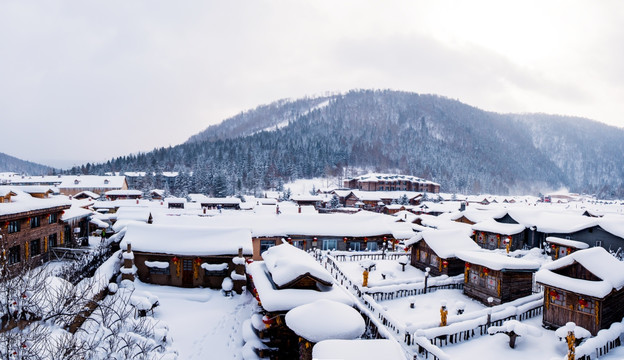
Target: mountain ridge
<point>463,148</point>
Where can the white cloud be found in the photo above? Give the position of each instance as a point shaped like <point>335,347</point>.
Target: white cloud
<point>119,77</point>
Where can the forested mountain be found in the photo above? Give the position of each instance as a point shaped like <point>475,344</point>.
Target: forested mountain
<point>465,149</point>
<point>12,164</point>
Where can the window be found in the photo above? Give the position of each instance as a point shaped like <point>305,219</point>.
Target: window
<point>330,244</point>
<point>35,247</point>
<point>598,243</point>
<point>490,282</point>
<point>159,271</point>
<point>187,265</point>
<point>557,298</point>
<point>265,245</point>
<point>53,218</point>
<point>585,306</point>
<point>51,241</point>
<point>35,222</point>
<point>14,226</point>
<point>298,244</point>
<point>14,255</point>
<point>354,245</point>
<point>423,256</point>
<point>474,277</point>
<point>435,260</point>
<point>371,246</point>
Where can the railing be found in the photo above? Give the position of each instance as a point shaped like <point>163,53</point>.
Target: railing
<point>605,341</point>
<point>426,339</point>
<point>344,256</point>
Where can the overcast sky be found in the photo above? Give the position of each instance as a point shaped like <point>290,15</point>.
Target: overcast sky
<point>85,81</point>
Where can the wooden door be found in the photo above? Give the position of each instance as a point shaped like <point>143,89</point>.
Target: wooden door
<point>187,273</point>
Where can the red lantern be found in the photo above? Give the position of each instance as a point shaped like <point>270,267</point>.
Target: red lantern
<point>344,240</point>
<point>552,293</point>
<point>486,271</point>
<point>175,259</point>
<point>268,321</point>
<point>289,240</point>
<point>444,263</point>
<point>582,302</point>
<point>198,261</point>
<point>497,236</point>
<point>314,239</point>
<point>553,246</point>
<point>467,266</point>
<point>569,250</point>
<point>365,239</point>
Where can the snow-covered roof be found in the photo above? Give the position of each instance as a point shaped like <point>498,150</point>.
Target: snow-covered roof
<point>496,261</point>
<point>275,300</point>
<point>225,200</point>
<point>92,181</point>
<point>567,242</point>
<point>88,193</point>
<point>75,212</point>
<point>552,222</point>
<point>23,202</point>
<point>446,243</point>
<point>372,349</point>
<point>376,177</point>
<point>325,319</point>
<point>286,262</point>
<point>123,193</point>
<point>185,240</point>
<point>613,224</point>
<point>495,227</point>
<point>597,261</point>
<point>478,215</point>
<point>304,197</point>
<point>133,213</point>
<point>175,200</point>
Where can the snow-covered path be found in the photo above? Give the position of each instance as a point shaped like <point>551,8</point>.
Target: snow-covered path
<point>203,323</point>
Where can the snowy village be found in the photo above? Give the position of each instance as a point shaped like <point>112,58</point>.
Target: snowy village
<point>384,266</point>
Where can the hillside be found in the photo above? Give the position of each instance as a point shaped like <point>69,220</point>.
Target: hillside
<point>12,164</point>
<point>465,149</point>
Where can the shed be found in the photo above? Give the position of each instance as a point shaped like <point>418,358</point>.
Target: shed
<point>585,287</point>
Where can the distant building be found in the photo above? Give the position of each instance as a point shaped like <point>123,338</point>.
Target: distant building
<point>390,182</point>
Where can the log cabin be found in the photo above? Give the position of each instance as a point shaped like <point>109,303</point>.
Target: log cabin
<point>503,278</point>
<point>189,256</point>
<point>585,287</point>
<point>491,235</point>
<point>436,250</point>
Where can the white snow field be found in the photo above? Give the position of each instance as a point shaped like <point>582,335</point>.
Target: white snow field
<point>203,323</point>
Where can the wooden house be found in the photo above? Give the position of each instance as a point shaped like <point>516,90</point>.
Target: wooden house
<point>586,287</point>
<point>559,247</point>
<point>503,278</point>
<point>491,235</point>
<point>287,278</point>
<point>188,256</point>
<point>436,250</point>
<point>30,228</point>
<point>86,195</point>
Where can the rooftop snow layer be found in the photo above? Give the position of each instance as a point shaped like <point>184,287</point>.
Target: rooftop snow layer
<point>495,227</point>
<point>446,243</point>
<point>275,300</point>
<point>185,240</point>
<point>496,261</point>
<point>286,262</point>
<point>325,319</point>
<point>597,261</point>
